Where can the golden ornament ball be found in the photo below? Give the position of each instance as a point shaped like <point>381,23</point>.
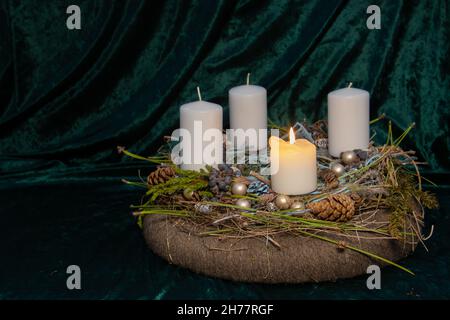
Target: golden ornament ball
<point>243,203</point>
<point>349,157</point>
<point>239,188</point>
<point>188,194</point>
<point>337,168</point>
<point>297,205</point>
<point>283,202</point>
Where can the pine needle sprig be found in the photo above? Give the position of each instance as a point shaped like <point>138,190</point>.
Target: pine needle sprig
<point>178,184</point>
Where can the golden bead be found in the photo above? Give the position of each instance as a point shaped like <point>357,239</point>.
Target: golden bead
<point>283,202</point>
<point>188,194</point>
<point>239,189</point>
<point>298,205</point>
<point>243,203</point>
<point>349,157</point>
<point>337,168</point>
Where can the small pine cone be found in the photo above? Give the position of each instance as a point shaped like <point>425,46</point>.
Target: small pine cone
<point>266,198</point>
<point>160,175</point>
<point>336,207</point>
<point>320,125</point>
<point>318,135</point>
<point>321,143</point>
<point>318,130</point>
<point>330,178</point>
<point>271,206</point>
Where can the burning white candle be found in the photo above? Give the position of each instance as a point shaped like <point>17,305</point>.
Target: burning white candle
<point>248,110</point>
<point>203,145</point>
<point>348,120</point>
<point>293,165</point>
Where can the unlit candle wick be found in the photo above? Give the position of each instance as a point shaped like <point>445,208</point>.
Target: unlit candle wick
<point>199,94</point>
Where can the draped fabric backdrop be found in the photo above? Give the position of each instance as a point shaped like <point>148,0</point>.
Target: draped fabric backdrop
<point>69,97</point>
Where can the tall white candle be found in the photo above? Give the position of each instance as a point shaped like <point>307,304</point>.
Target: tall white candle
<point>348,120</point>
<point>196,118</point>
<point>248,110</point>
<point>293,165</point>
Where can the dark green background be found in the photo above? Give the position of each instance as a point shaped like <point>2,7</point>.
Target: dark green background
<point>67,98</point>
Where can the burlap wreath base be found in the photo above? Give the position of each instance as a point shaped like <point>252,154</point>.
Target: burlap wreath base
<point>299,260</point>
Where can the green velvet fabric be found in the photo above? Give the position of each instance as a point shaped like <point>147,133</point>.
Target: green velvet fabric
<point>69,97</point>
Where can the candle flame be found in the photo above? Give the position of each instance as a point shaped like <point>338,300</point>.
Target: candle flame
<point>291,136</point>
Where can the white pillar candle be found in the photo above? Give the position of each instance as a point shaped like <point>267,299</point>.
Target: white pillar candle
<point>248,110</point>
<point>196,118</point>
<point>293,165</point>
<point>348,120</point>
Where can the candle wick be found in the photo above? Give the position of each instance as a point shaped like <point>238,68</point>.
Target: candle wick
<point>248,78</point>
<point>291,136</point>
<point>350,84</point>
<point>199,94</point>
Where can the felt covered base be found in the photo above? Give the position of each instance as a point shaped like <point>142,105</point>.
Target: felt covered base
<point>300,259</point>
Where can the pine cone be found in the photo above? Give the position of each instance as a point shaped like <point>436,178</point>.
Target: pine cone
<point>321,143</point>
<point>319,130</point>
<point>266,198</point>
<point>336,207</point>
<point>330,178</point>
<point>160,175</point>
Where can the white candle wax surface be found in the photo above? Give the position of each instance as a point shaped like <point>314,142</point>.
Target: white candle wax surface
<point>248,110</point>
<point>296,172</point>
<point>210,116</point>
<point>348,120</point>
